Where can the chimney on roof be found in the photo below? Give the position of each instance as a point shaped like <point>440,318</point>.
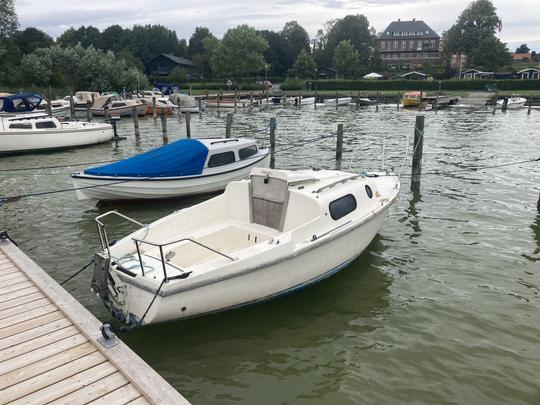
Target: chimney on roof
<point>399,19</point>
<point>414,19</point>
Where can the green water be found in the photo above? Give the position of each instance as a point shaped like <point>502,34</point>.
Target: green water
<point>443,307</point>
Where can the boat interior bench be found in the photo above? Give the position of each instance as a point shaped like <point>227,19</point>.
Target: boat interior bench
<point>231,238</point>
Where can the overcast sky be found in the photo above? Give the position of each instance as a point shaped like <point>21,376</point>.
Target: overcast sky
<point>521,18</point>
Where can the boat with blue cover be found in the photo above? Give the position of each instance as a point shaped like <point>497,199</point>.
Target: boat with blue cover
<point>182,168</point>
<point>12,105</point>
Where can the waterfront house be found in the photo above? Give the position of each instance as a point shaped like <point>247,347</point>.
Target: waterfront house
<point>414,75</point>
<point>472,74</point>
<point>164,63</point>
<point>326,73</point>
<point>529,73</point>
<point>407,44</point>
<point>521,57</point>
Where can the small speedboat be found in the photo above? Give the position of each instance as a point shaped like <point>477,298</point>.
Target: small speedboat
<point>115,106</point>
<point>411,99</point>
<point>272,234</point>
<point>35,132</point>
<point>511,103</point>
<point>182,168</point>
<point>228,103</point>
<point>341,101</point>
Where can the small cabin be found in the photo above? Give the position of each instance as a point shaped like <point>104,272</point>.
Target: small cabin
<point>414,75</point>
<point>529,73</point>
<point>227,151</point>
<point>31,123</point>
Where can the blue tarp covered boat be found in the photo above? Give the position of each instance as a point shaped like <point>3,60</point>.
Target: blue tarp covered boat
<point>185,157</point>
<point>20,103</point>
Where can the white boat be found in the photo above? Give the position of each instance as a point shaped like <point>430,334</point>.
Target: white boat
<point>229,103</point>
<point>33,132</point>
<point>511,103</point>
<point>266,236</point>
<point>182,168</point>
<point>188,103</point>
<point>16,105</point>
<point>116,106</point>
<point>83,98</point>
<point>341,101</point>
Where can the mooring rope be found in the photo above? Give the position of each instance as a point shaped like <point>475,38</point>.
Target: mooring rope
<point>78,272</point>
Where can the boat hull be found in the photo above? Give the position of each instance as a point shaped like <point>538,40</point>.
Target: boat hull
<point>121,111</point>
<point>111,188</point>
<point>340,101</point>
<point>17,142</point>
<point>300,269</point>
<point>407,102</point>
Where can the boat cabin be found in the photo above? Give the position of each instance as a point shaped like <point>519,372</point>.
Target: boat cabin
<point>20,103</point>
<point>110,101</point>
<point>31,123</point>
<point>226,151</point>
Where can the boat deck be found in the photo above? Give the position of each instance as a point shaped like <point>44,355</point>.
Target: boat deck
<point>49,348</point>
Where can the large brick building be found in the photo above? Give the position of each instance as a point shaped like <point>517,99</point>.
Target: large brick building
<point>407,44</point>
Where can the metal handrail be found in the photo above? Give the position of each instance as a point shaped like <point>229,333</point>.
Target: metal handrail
<point>161,245</point>
<point>332,184</point>
<point>102,232</point>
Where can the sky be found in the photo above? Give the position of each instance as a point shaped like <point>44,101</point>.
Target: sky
<point>521,18</point>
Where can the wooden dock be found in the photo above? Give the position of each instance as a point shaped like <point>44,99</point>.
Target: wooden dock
<point>49,348</point>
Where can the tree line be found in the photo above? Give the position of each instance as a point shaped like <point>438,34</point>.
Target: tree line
<point>87,58</point>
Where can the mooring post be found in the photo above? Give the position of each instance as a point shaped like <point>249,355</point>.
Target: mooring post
<point>530,106</point>
<point>49,107</point>
<point>285,98</point>
<point>358,100</point>
<point>300,99</point>
<point>495,104</point>
<point>417,153</point>
<point>235,98</point>
<point>228,127</point>
<point>315,104</point>
<point>339,146</point>
<point>273,126</point>
<point>377,103</point>
<point>250,100</point>
<point>220,96</point>
<point>135,117</point>
<point>398,98</point>
<point>188,124</point>
<point>88,111</point>
<point>336,100</point>
<point>200,108</point>
<point>190,92</point>
<point>71,107</point>
<point>107,113</point>
<point>154,107</point>
<point>163,118</point>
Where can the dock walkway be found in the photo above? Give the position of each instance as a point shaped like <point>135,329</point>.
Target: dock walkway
<point>49,349</point>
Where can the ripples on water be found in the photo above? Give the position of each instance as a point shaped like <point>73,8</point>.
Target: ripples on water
<point>443,307</point>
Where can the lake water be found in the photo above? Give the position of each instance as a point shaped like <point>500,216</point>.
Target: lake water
<point>443,307</point>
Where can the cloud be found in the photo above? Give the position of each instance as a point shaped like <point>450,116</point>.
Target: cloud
<point>54,16</point>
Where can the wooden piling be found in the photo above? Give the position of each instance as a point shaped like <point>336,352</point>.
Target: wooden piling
<point>235,98</point>
<point>135,117</point>
<point>107,113</point>
<point>88,111</point>
<point>417,153</point>
<point>273,126</point>
<point>250,99</point>
<point>200,108</point>
<point>163,118</point>
<point>285,98</point>
<point>530,106</point>
<point>228,127</point>
<point>339,146</point>
<point>71,107</point>
<point>398,98</point>
<point>49,107</point>
<point>190,92</point>
<point>377,103</point>
<point>337,105</point>
<point>188,124</point>
<point>154,107</point>
<point>315,104</point>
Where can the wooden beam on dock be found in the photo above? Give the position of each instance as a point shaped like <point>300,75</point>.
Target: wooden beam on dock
<point>49,347</point>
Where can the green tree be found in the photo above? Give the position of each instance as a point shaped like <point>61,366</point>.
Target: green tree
<point>113,38</point>
<point>8,18</point>
<point>31,39</point>
<point>178,75</point>
<point>86,36</point>
<point>196,45</point>
<point>201,43</point>
<point>346,60</point>
<point>296,39</point>
<point>304,67</point>
<point>239,54</point>
<point>354,28</point>
<point>277,54</point>
<point>490,54</point>
<point>475,24</point>
<point>148,41</point>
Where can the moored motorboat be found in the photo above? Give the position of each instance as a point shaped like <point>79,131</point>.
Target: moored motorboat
<point>35,132</point>
<point>182,168</point>
<point>412,99</point>
<point>511,103</point>
<point>227,103</point>
<point>115,106</point>
<point>83,98</point>
<point>341,101</point>
<point>19,104</point>
<point>266,236</point>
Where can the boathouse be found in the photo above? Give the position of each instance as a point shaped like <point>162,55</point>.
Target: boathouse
<point>164,63</point>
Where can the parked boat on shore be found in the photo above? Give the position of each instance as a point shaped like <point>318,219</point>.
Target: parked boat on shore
<point>271,235</point>
<point>34,132</point>
<point>182,168</point>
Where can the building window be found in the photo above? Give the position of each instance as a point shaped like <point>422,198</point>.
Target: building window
<point>383,44</point>
<point>395,44</point>
<point>220,159</point>
<point>403,44</point>
<point>432,43</point>
<point>419,46</point>
<point>342,206</point>
<point>411,44</point>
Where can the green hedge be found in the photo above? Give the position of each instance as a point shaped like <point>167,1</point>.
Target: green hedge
<point>424,84</point>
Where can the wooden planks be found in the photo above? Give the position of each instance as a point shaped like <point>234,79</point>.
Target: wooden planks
<point>49,350</point>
